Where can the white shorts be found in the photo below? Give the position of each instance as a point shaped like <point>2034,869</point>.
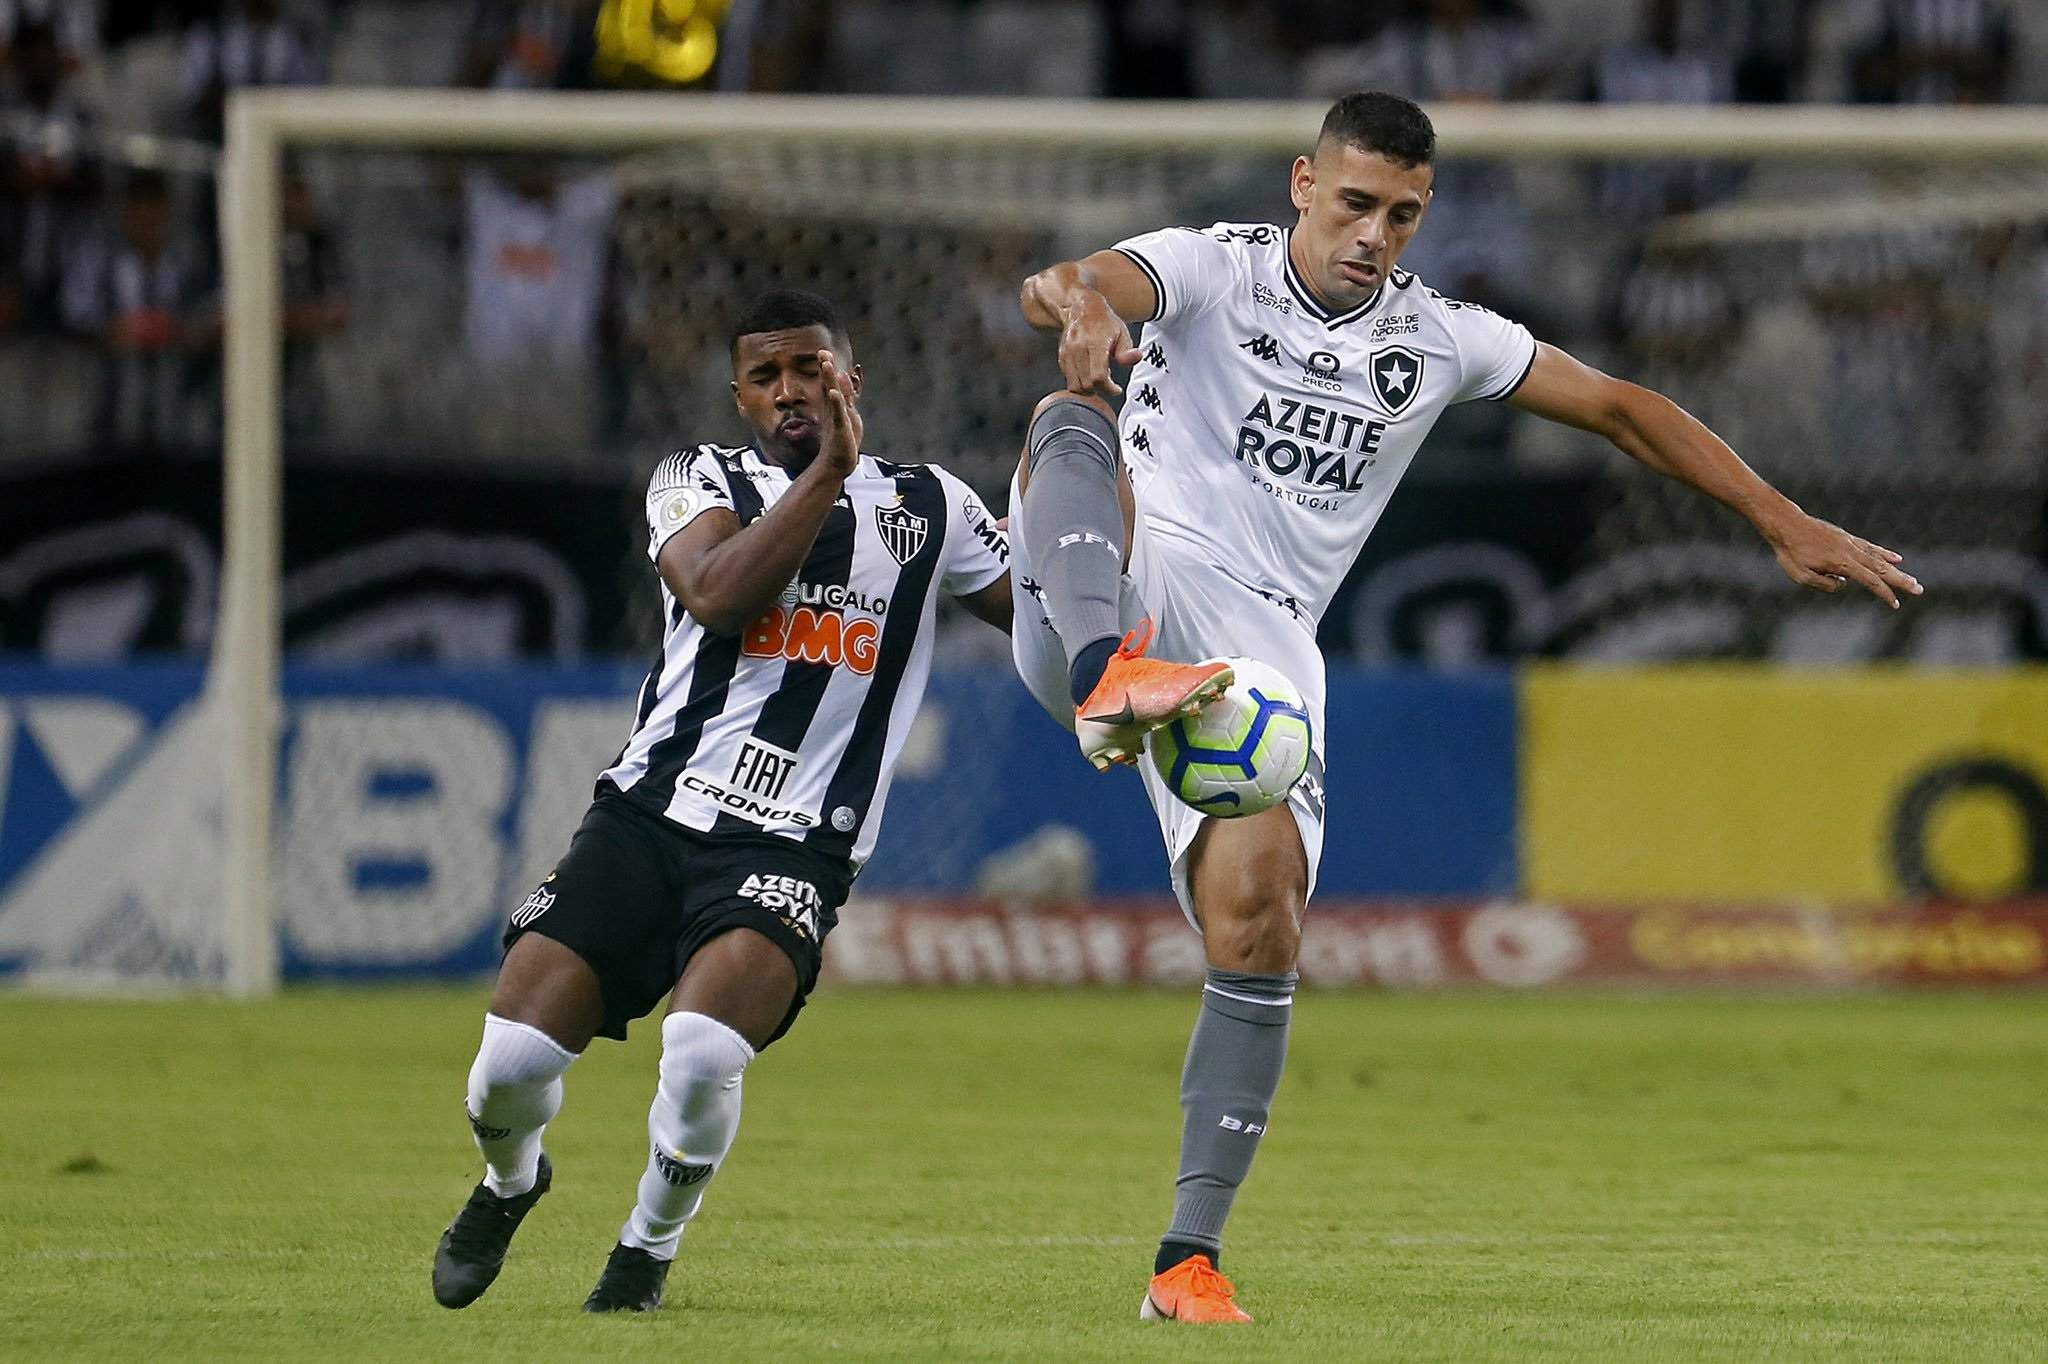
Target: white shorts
<point>1198,611</point>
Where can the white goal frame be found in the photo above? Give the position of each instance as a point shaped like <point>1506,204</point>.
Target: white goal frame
<point>244,669</point>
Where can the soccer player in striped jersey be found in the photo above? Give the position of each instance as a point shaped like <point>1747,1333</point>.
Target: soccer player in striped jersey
<point>1286,377</point>
<point>800,577</point>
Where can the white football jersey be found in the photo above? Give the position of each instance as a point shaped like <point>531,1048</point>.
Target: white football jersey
<point>1268,433</point>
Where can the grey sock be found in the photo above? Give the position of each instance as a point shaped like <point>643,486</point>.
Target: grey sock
<point>1074,523</point>
<point>1233,1068</point>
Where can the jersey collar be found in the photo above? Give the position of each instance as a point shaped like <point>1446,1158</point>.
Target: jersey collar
<point>1307,300</point>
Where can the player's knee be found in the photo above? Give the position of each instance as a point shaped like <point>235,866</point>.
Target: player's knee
<point>1266,940</point>
<point>1252,914</point>
<point>1072,426</point>
<point>701,1058</point>
<point>1062,395</point>
<point>516,1079</point>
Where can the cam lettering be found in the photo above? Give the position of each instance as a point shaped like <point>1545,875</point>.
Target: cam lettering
<point>807,635</point>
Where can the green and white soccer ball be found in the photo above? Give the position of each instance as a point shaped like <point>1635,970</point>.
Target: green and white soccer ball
<point>1243,752</point>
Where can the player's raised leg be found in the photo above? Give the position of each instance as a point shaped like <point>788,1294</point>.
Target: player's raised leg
<point>543,1013</point>
<point>733,998</point>
<point>1249,882</point>
<point>1076,522</point>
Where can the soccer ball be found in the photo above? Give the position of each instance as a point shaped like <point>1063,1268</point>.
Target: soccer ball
<point>1241,753</point>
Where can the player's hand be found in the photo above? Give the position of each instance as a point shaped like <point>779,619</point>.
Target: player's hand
<point>1823,556</point>
<point>839,448</point>
<point>1093,340</point>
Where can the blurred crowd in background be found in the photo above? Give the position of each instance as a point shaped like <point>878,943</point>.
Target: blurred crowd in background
<point>108,258</point>
<point>1874,336</point>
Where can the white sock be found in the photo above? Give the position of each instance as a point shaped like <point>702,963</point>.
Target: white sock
<point>515,1088</point>
<point>695,1116</point>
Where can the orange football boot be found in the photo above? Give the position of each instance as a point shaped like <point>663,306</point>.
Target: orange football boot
<point>1138,695</point>
<point>1193,1291</point>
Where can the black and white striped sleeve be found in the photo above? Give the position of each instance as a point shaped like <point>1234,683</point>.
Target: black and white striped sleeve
<point>684,486</point>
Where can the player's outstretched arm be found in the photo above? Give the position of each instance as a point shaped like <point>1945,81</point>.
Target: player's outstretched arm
<point>1650,428</point>
<point>1091,303</point>
<point>725,574</point>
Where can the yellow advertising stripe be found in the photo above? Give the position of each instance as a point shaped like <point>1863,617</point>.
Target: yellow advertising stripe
<point>1727,784</point>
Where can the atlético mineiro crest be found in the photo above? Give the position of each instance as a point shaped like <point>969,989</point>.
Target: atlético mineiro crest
<point>903,531</point>
<point>1396,377</point>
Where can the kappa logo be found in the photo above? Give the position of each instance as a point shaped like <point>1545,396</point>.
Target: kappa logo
<point>1156,357</point>
<point>1148,396</point>
<point>1321,371</point>
<point>1396,377</point>
<point>1141,441</point>
<point>1262,347</point>
<point>903,532</point>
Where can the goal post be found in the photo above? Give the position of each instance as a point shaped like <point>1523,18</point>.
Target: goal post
<point>264,126</point>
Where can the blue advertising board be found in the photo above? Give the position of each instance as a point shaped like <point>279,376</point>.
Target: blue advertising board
<point>418,805</point>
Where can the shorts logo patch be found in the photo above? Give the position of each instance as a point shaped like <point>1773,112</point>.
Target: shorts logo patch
<point>791,899</point>
<point>540,902</point>
<point>843,819</point>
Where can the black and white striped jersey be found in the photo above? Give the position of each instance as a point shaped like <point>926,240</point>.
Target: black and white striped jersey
<point>792,727</point>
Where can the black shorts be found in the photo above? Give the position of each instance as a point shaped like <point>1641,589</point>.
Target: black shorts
<point>637,895</point>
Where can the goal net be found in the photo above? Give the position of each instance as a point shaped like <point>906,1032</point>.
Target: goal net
<point>461,328</point>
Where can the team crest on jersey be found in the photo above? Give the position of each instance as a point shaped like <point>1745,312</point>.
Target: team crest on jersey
<point>1396,377</point>
<point>903,531</point>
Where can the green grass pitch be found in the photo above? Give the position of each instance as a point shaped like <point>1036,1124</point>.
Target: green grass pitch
<point>981,1176</point>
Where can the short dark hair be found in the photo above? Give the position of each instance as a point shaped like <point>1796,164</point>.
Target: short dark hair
<point>780,309</point>
<point>1375,121</point>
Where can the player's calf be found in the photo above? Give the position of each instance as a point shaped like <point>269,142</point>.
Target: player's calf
<point>1073,519</point>
<point>515,1089</point>
<point>690,1126</point>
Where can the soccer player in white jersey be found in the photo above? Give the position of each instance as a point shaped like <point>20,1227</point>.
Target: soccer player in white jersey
<point>1284,380</point>
<point>799,581</point>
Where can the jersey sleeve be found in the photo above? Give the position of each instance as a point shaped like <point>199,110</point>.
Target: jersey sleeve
<point>685,486</point>
<point>977,550</point>
<point>1494,353</point>
<point>1191,268</point>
